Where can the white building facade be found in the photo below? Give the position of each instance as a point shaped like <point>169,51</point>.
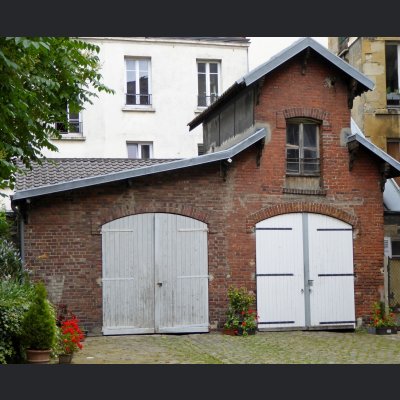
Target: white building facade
<point>160,85</point>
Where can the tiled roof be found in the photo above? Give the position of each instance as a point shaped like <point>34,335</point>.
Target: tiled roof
<point>59,170</point>
<point>42,183</point>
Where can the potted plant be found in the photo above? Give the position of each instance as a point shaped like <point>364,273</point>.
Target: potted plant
<point>241,319</point>
<point>39,327</point>
<point>382,323</point>
<point>69,339</point>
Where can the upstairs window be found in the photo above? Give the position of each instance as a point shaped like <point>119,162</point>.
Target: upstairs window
<point>392,75</point>
<point>74,123</point>
<point>140,150</point>
<point>208,77</point>
<point>138,88</point>
<point>302,148</point>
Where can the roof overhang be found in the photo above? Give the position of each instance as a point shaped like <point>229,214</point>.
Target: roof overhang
<point>227,154</point>
<point>393,166</point>
<point>276,61</point>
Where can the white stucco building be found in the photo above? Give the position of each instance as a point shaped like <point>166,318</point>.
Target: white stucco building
<point>160,84</point>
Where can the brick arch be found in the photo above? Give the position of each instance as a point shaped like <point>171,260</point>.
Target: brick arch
<point>307,112</point>
<point>286,208</point>
<point>123,211</point>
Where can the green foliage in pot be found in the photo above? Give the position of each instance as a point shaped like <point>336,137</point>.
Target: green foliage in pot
<point>15,299</point>
<point>39,325</point>
<point>240,317</point>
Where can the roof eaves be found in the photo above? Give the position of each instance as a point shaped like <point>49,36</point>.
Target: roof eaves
<point>149,170</point>
<point>375,150</point>
<point>295,49</point>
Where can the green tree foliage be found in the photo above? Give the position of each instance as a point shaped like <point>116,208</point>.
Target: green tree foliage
<point>10,262</point>
<point>38,77</point>
<point>39,324</point>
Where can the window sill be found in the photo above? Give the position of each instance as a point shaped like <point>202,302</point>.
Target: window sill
<point>138,109</point>
<point>71,136</point>
<point>390,110</point>
<point>315,192</point>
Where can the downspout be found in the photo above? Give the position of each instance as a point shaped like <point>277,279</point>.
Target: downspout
<point>21,230</point>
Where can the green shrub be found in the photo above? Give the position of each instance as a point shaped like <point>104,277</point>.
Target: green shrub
<point>10,262</point>
<point>5,228</point>
<point>39,324</point>
<point>15,300</point>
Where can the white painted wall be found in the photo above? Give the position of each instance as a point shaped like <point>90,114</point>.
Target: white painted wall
<point>107,126</point>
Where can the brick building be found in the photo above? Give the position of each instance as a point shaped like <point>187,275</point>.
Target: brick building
<point>285,202</point>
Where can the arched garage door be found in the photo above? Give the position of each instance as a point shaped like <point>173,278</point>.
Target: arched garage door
<point>155,275</point>
<point>305,273</point>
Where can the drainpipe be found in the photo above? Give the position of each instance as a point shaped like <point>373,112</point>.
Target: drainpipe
<point>21,230</point>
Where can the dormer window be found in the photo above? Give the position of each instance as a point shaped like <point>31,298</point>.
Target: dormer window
<point>302,147</point>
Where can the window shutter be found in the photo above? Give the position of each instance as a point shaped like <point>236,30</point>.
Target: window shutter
<point>387,243</point>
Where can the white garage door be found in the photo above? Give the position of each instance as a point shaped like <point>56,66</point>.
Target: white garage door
<point>155,275</point>
<point>305,273</point>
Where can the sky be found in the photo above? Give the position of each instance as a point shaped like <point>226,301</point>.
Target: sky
<point>263,48</point>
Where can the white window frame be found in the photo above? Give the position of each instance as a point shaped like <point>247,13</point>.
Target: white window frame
<point>150,94</point>
<point>207,73</point>
<point>139,149</point>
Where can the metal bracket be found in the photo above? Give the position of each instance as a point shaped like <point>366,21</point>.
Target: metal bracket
<point>259,89</point>
<point>353,150</point>
<point>304,62</point>
<point>260,147</point>
<point>384,171</point>
<point>224,169</point>
<point>351,93</point>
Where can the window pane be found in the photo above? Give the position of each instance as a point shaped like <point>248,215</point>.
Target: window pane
<point>392,82</point>
<point>144,89</point>
<point>130,65</point>
<point>292,134</point>
<point>132,150</point>
<point>201,68</point>
<point>202,101</point>
<point>310,135</point>
<point>213,68</point>
<point>131,87</point>
<point>214,85</point>
<point>143,66</point>
<point>145,149</point>
<point>310,154</point>
<point>292,163</point>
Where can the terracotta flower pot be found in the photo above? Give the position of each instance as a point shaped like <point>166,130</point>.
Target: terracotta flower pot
<point>65,358</point>
<point>38,356</point>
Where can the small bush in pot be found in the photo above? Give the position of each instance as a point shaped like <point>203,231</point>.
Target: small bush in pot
<point>39,326</point>
<point>241,319</point>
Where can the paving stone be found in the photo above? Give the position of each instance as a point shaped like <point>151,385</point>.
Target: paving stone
<point>296,347</point>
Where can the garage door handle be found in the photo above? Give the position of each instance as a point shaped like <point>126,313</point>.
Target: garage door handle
<point>159,284</point>
<point>302,291</point>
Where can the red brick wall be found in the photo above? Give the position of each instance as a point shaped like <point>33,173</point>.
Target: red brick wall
<point>62,236</point>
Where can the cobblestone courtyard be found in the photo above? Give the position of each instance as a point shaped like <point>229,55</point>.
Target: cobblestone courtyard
<point>263,348</point>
